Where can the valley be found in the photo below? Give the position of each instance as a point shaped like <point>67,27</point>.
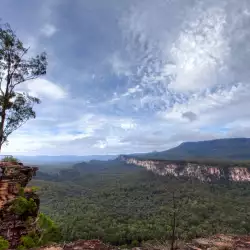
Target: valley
<point>127,202</point>
<point>126,205</point>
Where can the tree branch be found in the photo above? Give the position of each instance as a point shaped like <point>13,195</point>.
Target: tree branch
<point>24,80</point>
<point>15,67</point>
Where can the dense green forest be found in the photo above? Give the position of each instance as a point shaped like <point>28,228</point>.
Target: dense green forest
<point>123,204</point>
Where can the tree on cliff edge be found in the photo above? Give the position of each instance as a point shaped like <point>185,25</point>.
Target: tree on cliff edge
<point>16,68</point>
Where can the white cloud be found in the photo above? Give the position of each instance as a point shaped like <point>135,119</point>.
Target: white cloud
<point>128,125</point>
<point>43,88</point>
<point>178,55</point>
<point>48,30</point>
<point>119,66</point>
<point>132,91</point>
<point>180,73</point>
<point>98,134</point>
<point>199,52</point>
<point>84,135</point>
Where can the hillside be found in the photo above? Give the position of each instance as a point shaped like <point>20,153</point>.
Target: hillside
<point>221,149</point>
<point>124,204</point>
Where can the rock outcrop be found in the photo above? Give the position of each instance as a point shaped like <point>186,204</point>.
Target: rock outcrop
<point>216,242</point>
<point>13,180</point>
<point>220,241</point>
<point>203,172</point>
<point>80,245</point>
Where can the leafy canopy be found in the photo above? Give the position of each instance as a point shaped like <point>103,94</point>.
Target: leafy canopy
<point>4,244</point>
<point>46,232</point>
<point>16,68</point>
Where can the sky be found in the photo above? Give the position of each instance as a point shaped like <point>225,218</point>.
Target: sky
<point>133,76</point>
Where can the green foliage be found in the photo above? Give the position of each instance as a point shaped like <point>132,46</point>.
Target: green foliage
<point>28,242</point>
<point>34,189</point>
<point>124,204</point>
<point>46,232</point>
<point>10,158</point>
<point>135,243</point>
<point>22,205</point>
<point>4,244</point>
<point>15,68</point>
<point>21,191</point>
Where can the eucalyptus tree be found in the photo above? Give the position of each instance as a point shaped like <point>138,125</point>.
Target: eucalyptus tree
<point>16,68</point>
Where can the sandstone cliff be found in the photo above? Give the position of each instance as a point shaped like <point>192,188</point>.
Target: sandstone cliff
<point>203,172</point>
<point>13,180</point>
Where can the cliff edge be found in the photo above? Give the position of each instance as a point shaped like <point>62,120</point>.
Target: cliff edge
<point>18,205</point>
<point>201,171</point>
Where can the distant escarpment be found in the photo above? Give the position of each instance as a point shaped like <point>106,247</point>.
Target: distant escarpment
<point>18,205</point>
<point>205,172</point>
<point>220,149</point>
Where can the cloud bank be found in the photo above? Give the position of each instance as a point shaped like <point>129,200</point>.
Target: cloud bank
<point>134,76</point>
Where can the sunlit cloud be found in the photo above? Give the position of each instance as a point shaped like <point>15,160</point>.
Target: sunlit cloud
<point>137,76</point>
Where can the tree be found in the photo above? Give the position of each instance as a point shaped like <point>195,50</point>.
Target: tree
<point>16,68</point>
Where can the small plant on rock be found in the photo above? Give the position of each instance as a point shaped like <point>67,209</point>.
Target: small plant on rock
<point>22,205</point>
<point>4,244</point>
<point>45,232</point>
<point>11,159</point>
<point>28,242</point>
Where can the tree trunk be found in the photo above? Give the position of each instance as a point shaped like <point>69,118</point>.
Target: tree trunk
<point>3,116</point>
<point>5,103</point>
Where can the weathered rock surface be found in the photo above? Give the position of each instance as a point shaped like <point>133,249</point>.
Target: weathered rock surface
<point>220,242</point>
<point>217,242</point>
<point>205,173</point>
<point>13,178</point>
<point>80,245</point>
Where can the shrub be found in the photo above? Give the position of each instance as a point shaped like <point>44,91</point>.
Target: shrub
<point>4,244</point>
<point>47,232</point>
<point>22,205</point>
<point>34,189</point>
<point>28,241</point>
<point>21,191</point>
<point>135,243</point>
<point>11,159</point>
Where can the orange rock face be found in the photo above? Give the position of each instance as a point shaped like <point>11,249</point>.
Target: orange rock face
<point>13,177</point>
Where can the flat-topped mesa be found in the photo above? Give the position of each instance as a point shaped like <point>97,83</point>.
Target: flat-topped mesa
<point>201,171</point>
<point>13,179</point>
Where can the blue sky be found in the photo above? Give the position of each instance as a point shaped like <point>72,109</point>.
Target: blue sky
<point>133,76</point>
